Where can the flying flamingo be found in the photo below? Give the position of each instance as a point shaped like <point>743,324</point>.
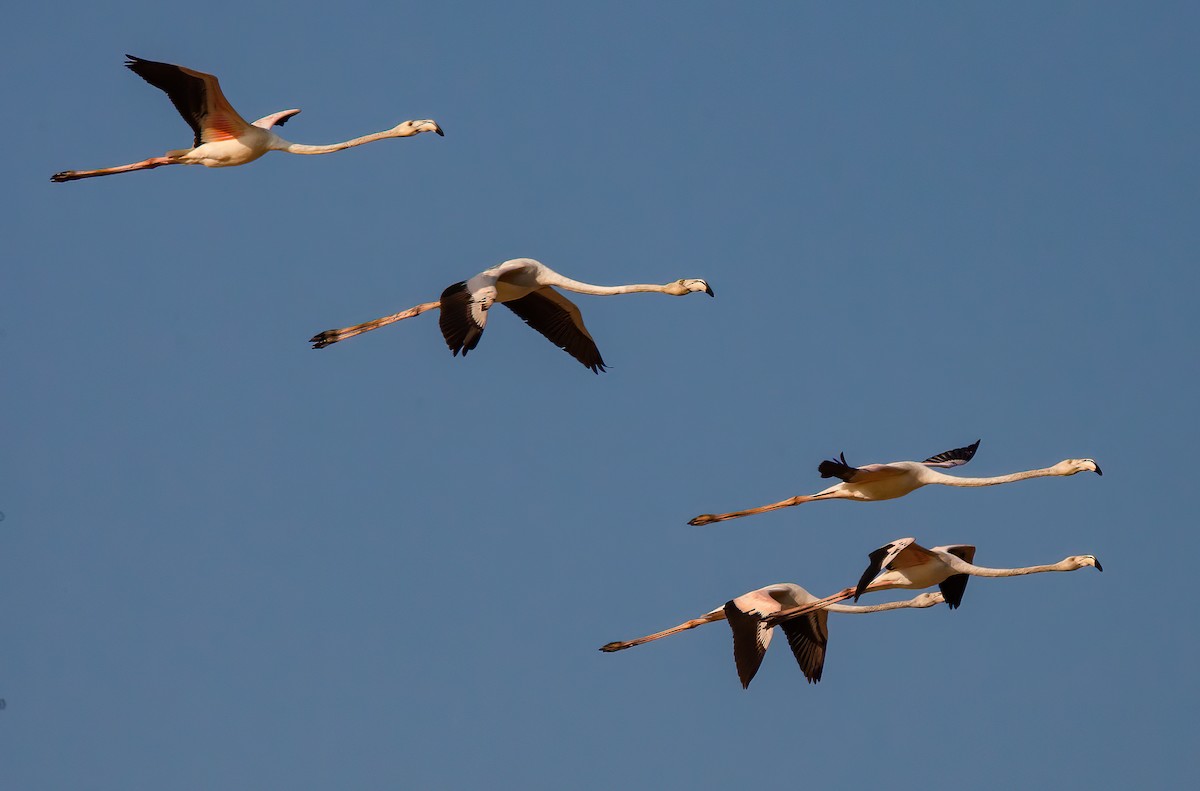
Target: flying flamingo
<point>807,636</point>
<point>222,137</point>
<point>888,481</point>
<point>525,287</point>
<point>906,564</point>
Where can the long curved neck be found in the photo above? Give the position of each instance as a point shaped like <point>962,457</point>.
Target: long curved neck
<point>954,480</point>
<point>300,148</point>
<point>982,571</point>
<point>605,291</point>
<point>860,609</point>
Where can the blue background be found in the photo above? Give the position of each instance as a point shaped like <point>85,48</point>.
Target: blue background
<point>229,561</point>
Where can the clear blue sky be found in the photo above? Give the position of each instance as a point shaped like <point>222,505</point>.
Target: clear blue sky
<point>229,561</point>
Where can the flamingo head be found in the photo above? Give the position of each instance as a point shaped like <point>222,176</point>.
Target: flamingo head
<point>410,128</point>
<point>1072,466</point>
<point>688,286</point>
<point>1079,561</point>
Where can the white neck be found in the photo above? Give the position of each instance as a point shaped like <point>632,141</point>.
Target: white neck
<point>300,148</point>
<point>933,476</point>
<point>605,291</point>
<point>981,571</point>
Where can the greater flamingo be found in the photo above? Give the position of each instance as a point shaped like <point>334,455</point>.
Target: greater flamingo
<point>906,564</point>
<point>873,482</point>
<point>222,137</point>
<point>525,287</point>
<point>807,636</point>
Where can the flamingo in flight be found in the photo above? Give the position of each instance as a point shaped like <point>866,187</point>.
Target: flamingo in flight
<point>873,482</point>
<point>526,287</point>
<point>905,564</point>
<point>222,137</point>
<point>807,636</point>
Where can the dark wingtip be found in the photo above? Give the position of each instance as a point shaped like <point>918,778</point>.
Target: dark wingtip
<point>322,339</point>
<point>708,290</point>
<point>440,132</point>
<point>1098,566</point>
<point>1098,470</point>
<point>60,177</point>
<point>608,648</point>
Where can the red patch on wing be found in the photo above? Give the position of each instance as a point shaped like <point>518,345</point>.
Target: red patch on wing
<point>220,127</point>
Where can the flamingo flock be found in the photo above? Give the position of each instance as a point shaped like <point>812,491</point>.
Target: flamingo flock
<point>533,291</point>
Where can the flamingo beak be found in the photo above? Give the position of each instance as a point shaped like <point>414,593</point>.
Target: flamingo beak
<point>1098,472</point>
<point>708,290</point>
<point>438,129</point>
<point>1098,566</point>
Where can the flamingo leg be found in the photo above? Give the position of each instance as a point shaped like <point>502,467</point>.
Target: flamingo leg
<point>716,615</point>
<point>707,519</point>
<point>786,615</point>
<point>323,339</point>
<point>145,164</point>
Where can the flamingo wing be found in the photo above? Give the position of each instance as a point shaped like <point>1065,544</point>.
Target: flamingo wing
<point>838,468</point>
<point>196,95</point>
<point>464,315</point>
<point>807,636</point>
<point>274,119</point>
<point>899,554</point>
<point>953,458</point>
<point>750,640</point>
<point>954,586</point>
<point>560,322</point>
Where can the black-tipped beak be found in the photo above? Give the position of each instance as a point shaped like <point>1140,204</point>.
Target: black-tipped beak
<point>1098,471</point>
<point>708,290</point>
<point>440,132</point>
<point>1098,566</point>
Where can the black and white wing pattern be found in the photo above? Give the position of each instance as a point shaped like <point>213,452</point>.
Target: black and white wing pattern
<point>838,468</point>
<point>808,635</point>
<point>274,119</point>
<point>953,458</point>
<point>560,322</point>
<point>462,318</point>
<point>750,640</point>
<point>881,559</point>
<point>955,586</point>
<point>196,95</point>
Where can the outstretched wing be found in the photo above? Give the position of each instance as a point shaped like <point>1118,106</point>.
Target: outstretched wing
<point>750,640</point>
<point>463,316</point>
<point>889,556</point>
<point>954,586</point>
<point>953,458</point>
<point>274,119</point>
<point>838,468</point>
<point>196,95</point>
<point>807,636</point>
<point>557,318</point>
